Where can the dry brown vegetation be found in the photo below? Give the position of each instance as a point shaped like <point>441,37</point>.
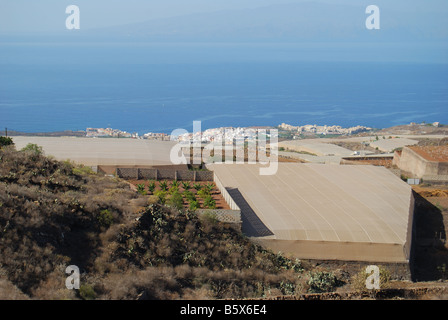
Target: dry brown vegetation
<point>51,213</point>
<point>54,214</point>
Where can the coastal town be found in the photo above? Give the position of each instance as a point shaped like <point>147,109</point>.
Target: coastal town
<point>116,133</point>
<point>236,133</point>
<point>324,129</point>
<point>228,133</point>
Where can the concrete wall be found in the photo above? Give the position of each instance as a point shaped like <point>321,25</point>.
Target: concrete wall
<point>410,161</point>
<point>410,232</point>
<point>231,217</point>
<point>442,169</point>
<point>160,174</point>
<point>232,204</point>
<point>337,250</point>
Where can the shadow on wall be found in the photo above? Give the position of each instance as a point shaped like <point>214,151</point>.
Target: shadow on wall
<point>430,252</point>
<point>252,226</point>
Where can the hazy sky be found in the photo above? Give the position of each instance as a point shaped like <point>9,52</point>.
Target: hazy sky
<point>49,15</point>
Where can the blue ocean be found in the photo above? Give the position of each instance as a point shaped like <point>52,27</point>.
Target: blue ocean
<point>159,87</point>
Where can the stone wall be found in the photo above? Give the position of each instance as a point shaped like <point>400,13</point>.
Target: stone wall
<point>232,217</point>
<point>162,174</point>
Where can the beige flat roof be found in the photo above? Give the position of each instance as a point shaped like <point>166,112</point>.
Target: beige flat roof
<point>103,151</point>
<point>388,145</point>
<point>319,149</point>
<point>325,203</point>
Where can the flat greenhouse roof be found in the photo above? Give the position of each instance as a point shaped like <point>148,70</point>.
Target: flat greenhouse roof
<point>318,210</point>
<point>103,151</point>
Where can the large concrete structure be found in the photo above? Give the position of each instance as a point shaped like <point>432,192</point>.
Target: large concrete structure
<point>324,212</point>
<point>103,151</point>
<point>427,163</point>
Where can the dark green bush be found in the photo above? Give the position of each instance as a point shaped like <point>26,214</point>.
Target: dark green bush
<point>209,202</point>
<point>175,200</point>
<point>189,195</point>
<point>322,282</point>
<point>5,141</point>
<point>105,218</point>
<point>186,185</point>
<point>33,148</point>
<point>161,194</point>
<point>151,187</point>
<point>164,185</point>
<point>141,188</point>
<point>87,292</point>
<point>194,205</point>
<point>203,193</point>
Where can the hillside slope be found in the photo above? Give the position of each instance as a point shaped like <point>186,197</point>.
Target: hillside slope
<point>54,214</point>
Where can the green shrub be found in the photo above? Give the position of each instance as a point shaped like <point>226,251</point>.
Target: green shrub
<point>197,186</point>
<point>209,202</point>
<point>161,194</point>
<point>186,185</point>
<point>173,189</point>
<point>359,280</point>
<point>175,200</point>
<point>105,218</point>
<point>164,185</point>
<point>151,186</point>
<point>87,292</point>
<point>189,195</point>
<point>194,205</point>
<point>33,148</point>
<point>5,141</point>
<point>203,193</point>
<point>287,288</point>
<point>322,282</point>
<point>209,187</point>
<point>288,264</point>
<point>141,189</point>
<point>82,170</point>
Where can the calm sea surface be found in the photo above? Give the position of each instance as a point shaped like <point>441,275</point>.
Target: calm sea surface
<point>161,87</point>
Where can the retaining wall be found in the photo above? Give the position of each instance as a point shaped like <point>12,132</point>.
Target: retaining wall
<point>226,194</point>
<point>232,217</point>
<point>162,174</point>
<point>411,161</point>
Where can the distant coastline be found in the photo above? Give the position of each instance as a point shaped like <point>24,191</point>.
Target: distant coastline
<point>65,133</point>
<point>303,131</point>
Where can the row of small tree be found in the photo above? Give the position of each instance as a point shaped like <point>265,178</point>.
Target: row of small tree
<point>171,194</point>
